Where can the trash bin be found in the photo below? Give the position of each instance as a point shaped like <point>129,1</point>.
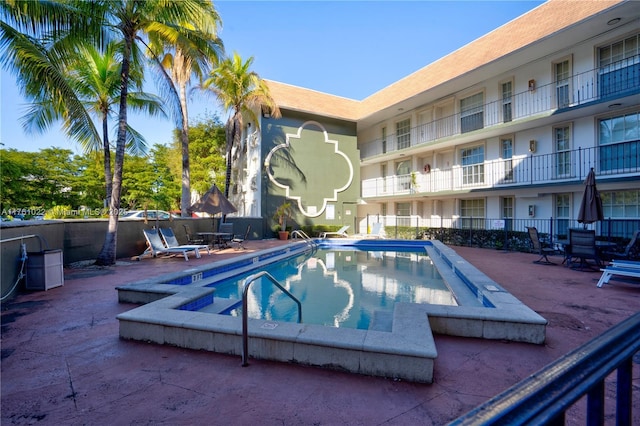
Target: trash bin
<point>44,270</point>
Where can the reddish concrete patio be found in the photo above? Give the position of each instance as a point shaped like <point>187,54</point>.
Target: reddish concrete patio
<point>64,363</point>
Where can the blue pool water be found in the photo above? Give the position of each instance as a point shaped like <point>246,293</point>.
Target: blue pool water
<point>341,287</point>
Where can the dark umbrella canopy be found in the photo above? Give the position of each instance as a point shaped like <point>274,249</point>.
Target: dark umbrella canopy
<point>591,206</point>
<point>213,202</point>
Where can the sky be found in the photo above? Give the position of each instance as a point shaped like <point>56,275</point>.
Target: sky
<point>345,48</point>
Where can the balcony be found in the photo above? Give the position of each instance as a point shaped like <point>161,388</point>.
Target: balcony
<point>621,160</point>
<point>598,85</point>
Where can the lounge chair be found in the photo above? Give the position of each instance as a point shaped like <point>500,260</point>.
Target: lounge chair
<point>540,247</point>
<point>239,239</point>
<point>624,268</point>
<point>376,232</point>
<point>171,241</point>
<point>631,251</point>
<point>342,232</point>
<point>156,246</point>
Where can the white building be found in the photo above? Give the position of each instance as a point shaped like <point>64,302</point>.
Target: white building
<point>506,127</point>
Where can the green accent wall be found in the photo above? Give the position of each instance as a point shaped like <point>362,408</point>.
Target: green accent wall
<point>311,169</point>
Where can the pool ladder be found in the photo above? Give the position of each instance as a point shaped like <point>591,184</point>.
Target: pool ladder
<point>245,289</point>
<point>300,233</point>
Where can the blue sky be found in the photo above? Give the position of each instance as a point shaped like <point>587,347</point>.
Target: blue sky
<point>345,48</point>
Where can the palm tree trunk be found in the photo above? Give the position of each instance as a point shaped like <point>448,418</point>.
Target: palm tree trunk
<point>233,133</point>
<point>107,161</point>
<point>107,255</point>
<point>185,200</point>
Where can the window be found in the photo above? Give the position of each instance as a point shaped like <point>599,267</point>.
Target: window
<point>562,136</point>
<point>563,210</point>
<point>472,213</point>
<point>403,214</point>
<point>472,165</point>
<point>403,133</point>
<point>621,204</point>
<point>383,173</point>
<point>507,207</point>
<point>403,175</point>
<point>507,92</point>
<point>619,65</point>
<point>472,113</point>
<point>619,140</point>
<point>507,154</point>
<point>562,74</point>
<point>384,140</point>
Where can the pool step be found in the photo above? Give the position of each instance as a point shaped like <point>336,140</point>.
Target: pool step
<point>381,321</point>
<point>219,305</point>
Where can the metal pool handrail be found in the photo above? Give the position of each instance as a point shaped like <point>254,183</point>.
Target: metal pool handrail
<point>245,289</point>
<point>304,236</point>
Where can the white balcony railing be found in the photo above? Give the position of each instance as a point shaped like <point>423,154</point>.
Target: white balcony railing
<point>617,80</point>
<point>615,160</point>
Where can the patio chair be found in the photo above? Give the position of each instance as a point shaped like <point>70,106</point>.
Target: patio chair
<point>172,242</point>
<point>582,245</point>
<point>342,232</point>
<point>225,234</point>
<point>239,239</point>
<point>156,246</point>
<point>191,238</point>
<point>540,247</point>
<point>631,251</point>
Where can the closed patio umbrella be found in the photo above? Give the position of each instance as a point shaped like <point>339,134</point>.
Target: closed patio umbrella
<point>213,202</point>
<point>591,206</point>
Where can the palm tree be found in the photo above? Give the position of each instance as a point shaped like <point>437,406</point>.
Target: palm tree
<point>177,66</point>
<point>241,92</point>
<point>129,21</point>
<point>61,25</point>
<point>95,78</point>
<point>36,41</point>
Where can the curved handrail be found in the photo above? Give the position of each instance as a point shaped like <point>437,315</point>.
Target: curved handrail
<point>245,289</point>
<point>304,236</point>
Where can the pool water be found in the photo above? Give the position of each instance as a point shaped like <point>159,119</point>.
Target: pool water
<point>341,288</point>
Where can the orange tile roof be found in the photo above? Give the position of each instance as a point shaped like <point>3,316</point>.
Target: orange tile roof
<point>541,22</point>
<point>307,100</point>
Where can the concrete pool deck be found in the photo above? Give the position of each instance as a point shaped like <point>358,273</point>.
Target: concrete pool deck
<point>173,315</point>
<point>64,363</point>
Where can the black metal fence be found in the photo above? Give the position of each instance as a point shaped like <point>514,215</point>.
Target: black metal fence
<point>507,234</point>
<point>544,397</point>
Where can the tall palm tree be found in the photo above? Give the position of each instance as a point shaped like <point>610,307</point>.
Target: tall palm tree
<point>95,77</point>
<point>241,92</point>
<point>131,22</point>
<point>179,63</point>
<point>28,28</point>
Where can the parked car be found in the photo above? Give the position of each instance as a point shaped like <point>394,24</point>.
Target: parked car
<point>150,215</point>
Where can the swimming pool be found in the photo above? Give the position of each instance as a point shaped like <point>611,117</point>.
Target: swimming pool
<point>341,287</point>
<point>181,309</point>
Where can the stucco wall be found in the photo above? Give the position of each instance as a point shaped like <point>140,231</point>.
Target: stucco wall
<point>83,239</point>
<point>316,168</point>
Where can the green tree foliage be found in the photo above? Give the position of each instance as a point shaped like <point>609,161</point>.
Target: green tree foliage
<point>54,177</point>
<point>241,92</point>
<point>206,148</point>
<point>35,181</point>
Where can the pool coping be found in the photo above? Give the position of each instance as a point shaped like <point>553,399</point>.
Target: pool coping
<point>407,352</point>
